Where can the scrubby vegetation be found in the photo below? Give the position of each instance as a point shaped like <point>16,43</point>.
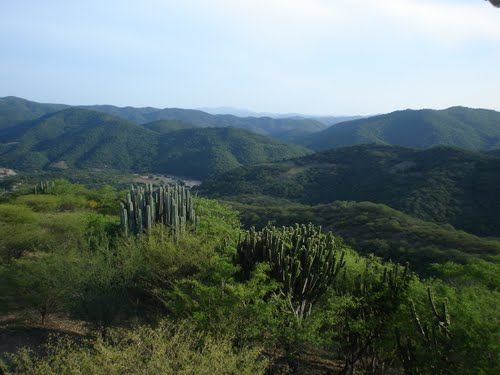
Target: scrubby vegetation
<point>444,185</point>
<point>217,299</point>
<point>167,349</point>
<point>373,228</point>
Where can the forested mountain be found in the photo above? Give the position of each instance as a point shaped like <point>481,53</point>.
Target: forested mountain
<point>474,129</point>
<point>467,128</point>
<point>332,120</point>
<point>205,151</point>
<point>443,185</point>
<point>15,110</point>
<point>167,126</point>
<point>326,120</point>
<point>81,138</point>
<point>277,128</point>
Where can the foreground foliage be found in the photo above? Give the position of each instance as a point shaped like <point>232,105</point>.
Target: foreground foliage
<point>167,349</point>
<point>206,302</point>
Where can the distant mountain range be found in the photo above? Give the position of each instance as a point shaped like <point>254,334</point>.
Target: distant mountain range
<point>14,110</point>
<point>472,129</point>
<point>327,120</point>
<point>442,184</point>
<point>82,138</point>
<point>467,128</point>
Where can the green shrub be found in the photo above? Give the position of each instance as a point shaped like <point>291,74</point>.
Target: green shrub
<point>167,349</point>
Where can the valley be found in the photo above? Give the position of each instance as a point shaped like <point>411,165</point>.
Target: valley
<point>97,231</point>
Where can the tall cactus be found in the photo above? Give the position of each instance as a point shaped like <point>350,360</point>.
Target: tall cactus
<point>144,207</point>
<point>376,292</point>
<point>43,187</point>
<point>439,329</point>
<point>302,257</point>
<point>434,339</point>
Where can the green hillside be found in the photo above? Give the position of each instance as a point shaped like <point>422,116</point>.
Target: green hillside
<point>374,229</point>
<point>16,110</point>
<point>467,128</point>
<point>205,151</point>
<point>444,185</point>
<point>79,138</point>
<point>167,126</point>
<point>283,128</point>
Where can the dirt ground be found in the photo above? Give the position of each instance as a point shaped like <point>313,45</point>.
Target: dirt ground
<point>18,332</point>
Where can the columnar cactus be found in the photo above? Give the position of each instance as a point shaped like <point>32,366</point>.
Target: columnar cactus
<point>433,335</point>
<point>44,187</point>
<point>439,329</point>
<point>303,258</point>
<point>144,207</point>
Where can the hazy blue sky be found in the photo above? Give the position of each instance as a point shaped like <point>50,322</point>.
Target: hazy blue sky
<point>309,56</point>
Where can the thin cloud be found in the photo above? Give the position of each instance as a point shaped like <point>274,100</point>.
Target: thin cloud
<point>448,22</point>
<point>445,21</point>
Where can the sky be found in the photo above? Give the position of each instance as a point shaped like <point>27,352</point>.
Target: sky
<point>323,57</point>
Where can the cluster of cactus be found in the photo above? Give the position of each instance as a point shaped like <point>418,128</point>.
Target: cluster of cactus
<point>302,257</point>
<point>378,292</point>
<point>170,205</point>
<point>44,187</point>
<point>440,325</point>
<point>393,280</point>
<point>434,336</point>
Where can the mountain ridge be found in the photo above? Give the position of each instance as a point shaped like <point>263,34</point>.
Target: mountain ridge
<point>82,138</point>
<point>14,110</point>
<point>468,128</point>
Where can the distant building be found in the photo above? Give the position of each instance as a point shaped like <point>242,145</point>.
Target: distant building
<point>6,172</point>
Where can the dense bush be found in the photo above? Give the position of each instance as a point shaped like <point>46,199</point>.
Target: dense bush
<point>168,349</point>
<point>375,229</point>
<point>212,308</point>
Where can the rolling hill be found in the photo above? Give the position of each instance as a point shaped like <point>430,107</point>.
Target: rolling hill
<point>15,110</point>
<point>167,126</point>
<point>279,128</point>
<point>472,129</point>
<point>326,120</point>
<point>443,185</point>
<point>80,138</point>
<point>205,151</point>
